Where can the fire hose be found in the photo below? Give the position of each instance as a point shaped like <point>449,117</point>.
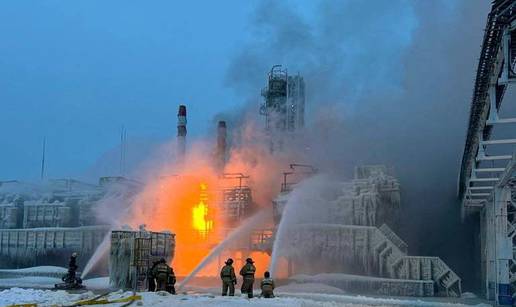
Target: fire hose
<point>98,300</point>
<point>128,300</point>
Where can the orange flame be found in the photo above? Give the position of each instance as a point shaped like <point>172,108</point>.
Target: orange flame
<point>187,204</point>
<point>200,221</point>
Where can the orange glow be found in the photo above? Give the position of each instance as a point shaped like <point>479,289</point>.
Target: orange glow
<point>200,221</point>
<point>186,203</point>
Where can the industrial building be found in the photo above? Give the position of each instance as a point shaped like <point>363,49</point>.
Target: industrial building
<point>487,178</point>
<point>351,235</point>
<point>42,224</point>
<point>352,232</point>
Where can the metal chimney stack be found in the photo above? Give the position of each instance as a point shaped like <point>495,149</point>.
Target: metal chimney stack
<point>181,132</point>
<point>221,145</point>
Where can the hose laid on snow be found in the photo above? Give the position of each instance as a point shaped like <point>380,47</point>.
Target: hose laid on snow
<point>128,300</point>
<point>132,301</point>
<point>91,299</point>
<point>97,300</point>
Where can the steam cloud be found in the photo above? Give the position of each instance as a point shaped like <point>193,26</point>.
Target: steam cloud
<point>388,82</point>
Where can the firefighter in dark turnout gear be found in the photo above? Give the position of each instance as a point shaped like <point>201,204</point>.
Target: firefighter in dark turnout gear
<point>227,274</point>
<point>163,274</point>
<point>267,286</point>
<point>171,282</point>
<point>247,273</point>
<point>71,278</point>
<point>151,277</point>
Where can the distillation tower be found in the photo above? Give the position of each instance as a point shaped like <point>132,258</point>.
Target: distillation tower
<point>284,106</point>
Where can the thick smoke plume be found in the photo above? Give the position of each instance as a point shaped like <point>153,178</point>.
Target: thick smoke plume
<point>388,82</point>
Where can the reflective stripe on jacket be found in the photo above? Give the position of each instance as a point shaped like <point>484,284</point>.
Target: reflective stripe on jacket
<point>248,270</point>
<point>267,282</point>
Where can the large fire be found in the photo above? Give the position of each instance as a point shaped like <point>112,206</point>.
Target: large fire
<point>187,204</point>
<point>200,220</point>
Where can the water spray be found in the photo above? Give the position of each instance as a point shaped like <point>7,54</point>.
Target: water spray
<point>244,229</point>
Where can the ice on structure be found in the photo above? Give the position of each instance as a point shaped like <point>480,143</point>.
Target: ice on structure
<point>36,245</point>
<point>44,223</point>
<point>343,227</point>
<point>132,254</point>
<point>99,283</point>
<point>43,271</point>
<point>38,282</point>
<point>369,284</point>
<point>43,282</point>
<point>42,277</point>
<point>308,287</point>
<point>341,210</point>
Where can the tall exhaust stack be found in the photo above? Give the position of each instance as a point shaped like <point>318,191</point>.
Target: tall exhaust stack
<point>221,145</point>
<point>181,132</point>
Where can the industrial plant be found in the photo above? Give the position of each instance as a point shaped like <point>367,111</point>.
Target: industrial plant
<point>350,233</point>
<point>42,223</point>
<point>303,196</point>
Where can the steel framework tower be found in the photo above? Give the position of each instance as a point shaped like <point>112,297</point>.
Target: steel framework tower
<point>488,172</point>
<point>284,105</point>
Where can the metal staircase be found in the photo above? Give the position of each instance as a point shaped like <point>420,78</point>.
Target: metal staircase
<point>385,254</point>
<point>390,256</point>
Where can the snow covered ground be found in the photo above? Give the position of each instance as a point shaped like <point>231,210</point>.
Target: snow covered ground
<point>294,294</point>
<point>40,297</point>
<point>162,299</point>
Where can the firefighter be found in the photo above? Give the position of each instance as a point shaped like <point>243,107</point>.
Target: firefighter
<point>171,282</point>
<point>70,279</point>
<point>227,274</point>
<point>151,277</point>
<point>72,269</point>
<point>247,273</point>
<point>162,272</point>
<point>267,285</point>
